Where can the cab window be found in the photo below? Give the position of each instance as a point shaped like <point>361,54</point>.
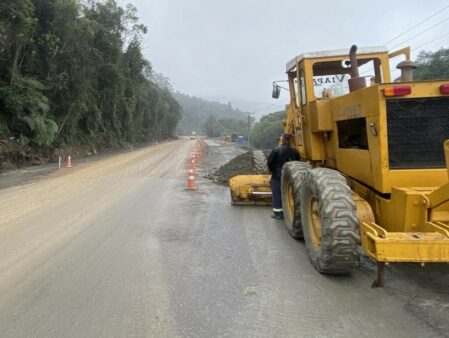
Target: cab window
<point>331,78</point>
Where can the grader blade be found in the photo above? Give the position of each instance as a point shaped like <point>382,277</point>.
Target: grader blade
<point>250,190</point>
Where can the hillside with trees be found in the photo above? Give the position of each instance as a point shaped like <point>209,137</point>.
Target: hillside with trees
<point>266,132</point>
<point>432,65</point>
<point>72,73</point>
<point>209,117</point>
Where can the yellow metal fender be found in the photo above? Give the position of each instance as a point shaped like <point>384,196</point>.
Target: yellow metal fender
<point>250,190</point>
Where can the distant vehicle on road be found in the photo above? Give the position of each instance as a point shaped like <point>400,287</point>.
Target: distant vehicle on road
<point>193,136</point>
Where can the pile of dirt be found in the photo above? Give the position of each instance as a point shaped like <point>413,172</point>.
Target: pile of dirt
<point>243,164</point>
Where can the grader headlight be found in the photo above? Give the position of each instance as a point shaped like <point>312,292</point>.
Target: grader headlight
<point>397,91</point>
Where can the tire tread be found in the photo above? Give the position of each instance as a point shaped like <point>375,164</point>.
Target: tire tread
<point>338,252</point>
<point>293,172</point>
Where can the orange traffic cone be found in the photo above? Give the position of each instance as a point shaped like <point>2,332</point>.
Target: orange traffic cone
<point>192,166</point>
<point>69,162</point>
<point>191,184</point>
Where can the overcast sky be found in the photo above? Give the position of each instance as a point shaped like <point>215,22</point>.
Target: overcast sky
<point>234,49</point>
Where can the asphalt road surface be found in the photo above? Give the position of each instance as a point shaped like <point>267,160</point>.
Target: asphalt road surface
<point>117,248</point>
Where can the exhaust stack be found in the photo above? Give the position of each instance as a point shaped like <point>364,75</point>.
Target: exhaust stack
<point>355,82</point>
<point>407,68</point>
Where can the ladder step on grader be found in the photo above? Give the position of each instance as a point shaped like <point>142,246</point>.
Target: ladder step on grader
<point>374,161</point>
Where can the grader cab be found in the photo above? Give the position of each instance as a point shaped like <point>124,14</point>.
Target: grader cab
<point>373,166</point>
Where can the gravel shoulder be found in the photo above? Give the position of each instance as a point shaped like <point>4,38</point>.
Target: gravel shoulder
<point>31,174</point>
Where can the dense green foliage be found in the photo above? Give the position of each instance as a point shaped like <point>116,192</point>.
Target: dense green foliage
<point>214,127</point>
<point>433,65</point>
<point>210,117</point>
<point>73,72</point>
<point>267,131</point>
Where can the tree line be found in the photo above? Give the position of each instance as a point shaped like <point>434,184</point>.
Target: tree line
<point>432,65</point>
<point>209,117</point>
<point>215,127</point>
<point>266,132</point>
<point>73,72</point>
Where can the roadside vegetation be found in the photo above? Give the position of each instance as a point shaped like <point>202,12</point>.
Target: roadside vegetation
<point>211,118</point>
<point>266,132</point>
<point>214,127</point>
<point>72,74</point>
<point>433,65</point>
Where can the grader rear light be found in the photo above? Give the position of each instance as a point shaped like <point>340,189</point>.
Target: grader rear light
<point>397,91</point>
<point>444,88</point>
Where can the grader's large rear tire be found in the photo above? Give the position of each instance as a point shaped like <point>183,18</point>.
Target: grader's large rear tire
<point>330,224</point>
<point>290,186</point>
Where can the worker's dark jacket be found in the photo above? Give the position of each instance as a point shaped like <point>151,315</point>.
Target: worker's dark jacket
<point>282,154</point>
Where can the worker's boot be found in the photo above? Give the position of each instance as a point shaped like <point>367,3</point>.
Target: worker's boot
<point>278,215</point>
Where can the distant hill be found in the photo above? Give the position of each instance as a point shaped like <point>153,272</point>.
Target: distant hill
<point>196,112</point>
<point>260,108</point>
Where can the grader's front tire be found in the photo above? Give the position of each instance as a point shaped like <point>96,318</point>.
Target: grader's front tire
<point>290,186</point>
<point>330,224</point>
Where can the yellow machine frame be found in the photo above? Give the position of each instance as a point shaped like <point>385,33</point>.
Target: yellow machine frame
<point>408,214</point>
<point>403,211</point>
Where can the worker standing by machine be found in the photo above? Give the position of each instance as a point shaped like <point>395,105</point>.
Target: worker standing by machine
<point>278,157</point>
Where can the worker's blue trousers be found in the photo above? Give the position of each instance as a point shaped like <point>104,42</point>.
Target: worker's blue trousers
<point>275,184</point>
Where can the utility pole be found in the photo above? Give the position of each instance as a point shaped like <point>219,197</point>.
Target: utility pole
<point>249,126</point>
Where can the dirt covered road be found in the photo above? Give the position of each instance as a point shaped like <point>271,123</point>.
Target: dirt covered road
<point>117,248</point>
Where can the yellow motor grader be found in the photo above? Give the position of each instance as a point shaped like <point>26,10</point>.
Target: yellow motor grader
<point>374,161</point>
